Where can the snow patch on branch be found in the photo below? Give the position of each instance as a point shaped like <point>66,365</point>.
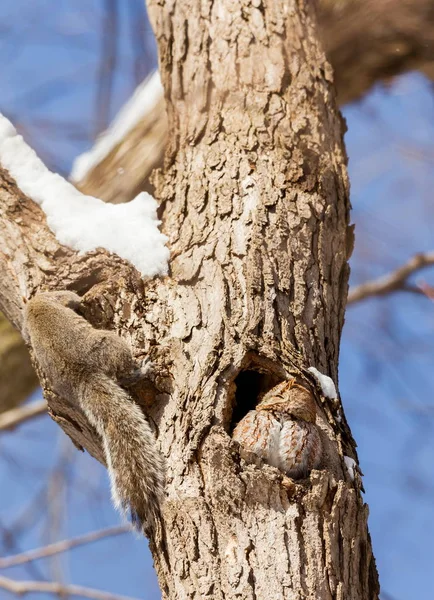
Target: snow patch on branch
<point>85,223</point>
<point>147,95</point>
<point>351,465</point>
<point>326,383</point>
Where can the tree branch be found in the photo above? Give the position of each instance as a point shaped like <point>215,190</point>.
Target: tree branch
<point>366,41</point>
<point>22,588</point>
<point>130,156</point>
<point>16,416</point>
<point>394,281</point>
<point>107,65</point>
<point>32,258</point>
<point>62,546</point>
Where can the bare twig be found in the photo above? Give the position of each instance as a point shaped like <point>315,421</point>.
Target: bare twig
<point>63,546</point>
<point>427,290</point>
<point>21,588</point>
<point>107,66</point>
<point>16,416</point>
<point>57,507</point>
<point>394,281</point>
<point>144,59</point>
<point>8,541</point>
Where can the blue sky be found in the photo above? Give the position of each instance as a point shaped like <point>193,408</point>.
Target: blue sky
<point>50,62</point>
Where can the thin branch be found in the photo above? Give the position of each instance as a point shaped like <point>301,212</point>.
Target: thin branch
<point>21,588</point>
<point>107,66</point>
<point>144,61</point>
<point>16,416</point>
<point>62,546</point>
<point>57,507</point>
<point>8,540</point>
<point>425,289</point>
<point>394,281</point>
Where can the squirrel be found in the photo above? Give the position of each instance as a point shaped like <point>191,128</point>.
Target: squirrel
<point>87,365</point>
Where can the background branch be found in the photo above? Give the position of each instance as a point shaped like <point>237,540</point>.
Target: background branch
<point>16,416</point>
<point>62,546</point>
<point>107,66</point>
<point>395,281</point>
<point>366,41</point>
<point>21,588</point>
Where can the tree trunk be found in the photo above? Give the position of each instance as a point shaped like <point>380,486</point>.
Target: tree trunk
<point>255,205</point>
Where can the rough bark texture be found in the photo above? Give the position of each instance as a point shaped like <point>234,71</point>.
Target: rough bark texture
<point>255,204</point>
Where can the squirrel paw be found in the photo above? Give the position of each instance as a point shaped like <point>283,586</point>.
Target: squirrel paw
<point>142,372</point>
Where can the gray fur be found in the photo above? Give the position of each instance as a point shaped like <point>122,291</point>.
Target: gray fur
<point>84,365</point>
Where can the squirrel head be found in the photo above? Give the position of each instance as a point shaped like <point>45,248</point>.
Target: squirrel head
<point>63,297</point>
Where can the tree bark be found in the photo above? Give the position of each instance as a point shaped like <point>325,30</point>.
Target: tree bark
<point>254,200</point>
<point>255,204</point>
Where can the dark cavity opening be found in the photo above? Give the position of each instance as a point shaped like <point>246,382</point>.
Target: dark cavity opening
<point>251,386</point>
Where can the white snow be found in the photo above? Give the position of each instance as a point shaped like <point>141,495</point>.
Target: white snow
<point>326,383</point>
<point>147,95</point>
<point>351,466</point>
<point>82,222</point>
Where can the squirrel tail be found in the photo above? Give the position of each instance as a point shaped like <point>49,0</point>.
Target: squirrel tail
<point>135,466</point>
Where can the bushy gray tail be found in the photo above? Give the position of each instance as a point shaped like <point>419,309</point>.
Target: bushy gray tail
<point>136,468</point>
